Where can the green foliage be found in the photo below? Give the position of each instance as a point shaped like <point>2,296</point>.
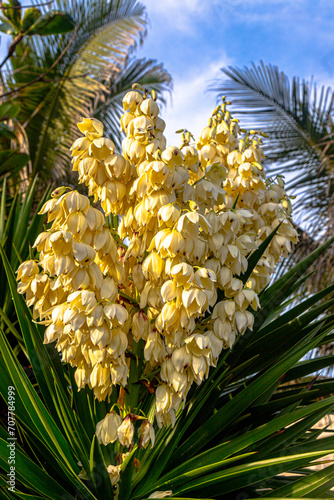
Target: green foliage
<point>52,23</point>
<point>19,226</point>
<point>239,430</point>
<point>11,159</point>
<point>30,17</point>
<point>297,117</point>
<point>33,21</point>
<point>12,12</point>
<point>7,28</point>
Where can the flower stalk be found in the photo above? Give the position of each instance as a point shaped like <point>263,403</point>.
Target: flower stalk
<point>157,293</point>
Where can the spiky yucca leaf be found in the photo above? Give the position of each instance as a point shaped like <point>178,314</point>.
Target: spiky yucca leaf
<point>20,225</point>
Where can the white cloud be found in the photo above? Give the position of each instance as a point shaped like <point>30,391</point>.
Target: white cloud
<point>175,13</point>
<point>167,7</point>
<point>191,106</point>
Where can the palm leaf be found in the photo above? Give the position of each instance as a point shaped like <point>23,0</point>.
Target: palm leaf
<point>298,119</point>
<point>89,72</point>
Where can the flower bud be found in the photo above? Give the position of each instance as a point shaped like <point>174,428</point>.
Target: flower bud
<point>161,494</point>
<point>163,396</point>
<point>131,101</point>
<point>114,472</point>
<point>27,269</point>
<point>149,107</point>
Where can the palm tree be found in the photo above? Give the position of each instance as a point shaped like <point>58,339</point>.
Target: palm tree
<point>60,78</point>
<point>297,117</point>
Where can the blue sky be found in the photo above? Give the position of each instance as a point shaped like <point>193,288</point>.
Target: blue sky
<point>195,38</point>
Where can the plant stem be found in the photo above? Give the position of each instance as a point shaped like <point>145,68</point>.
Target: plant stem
<point>136,364</point>
<point>12,48</point>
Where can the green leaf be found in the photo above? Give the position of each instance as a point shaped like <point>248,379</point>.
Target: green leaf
<point>98,471</point>
<point>281,289</point>
<point>30,475</point>
<point>25,496</point>
<point>31,405</point>
<point>8,29</point>
<point>52,23</point>
<point>307,484</point>
<point>8,233</point>
<point>30,17</point>
<point>308,366</point>
<point>290,434</point>
<point>82,403</point>
<point>247,474</point>
<point>35,226</point>
<point>13,15</point>
<point>9,110</point>
<point>6,132</point>
<point>277,341</point>
<point>297,310</point>
<point>13,163</point>
<point>254,258</point>
<point>3,208</point>
<point>25,214</point>
<point>197,471</point>
<point>126,475</point>
<point>282,402</point>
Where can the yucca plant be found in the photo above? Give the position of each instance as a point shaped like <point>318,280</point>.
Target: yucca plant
<point>55,79</point>
<point>20,225</point>
<point>187,389</point>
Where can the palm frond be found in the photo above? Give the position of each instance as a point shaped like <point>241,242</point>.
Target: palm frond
<point>94,59</point>
<point>298,120</point>
<point>148,73</point>
<point>106,32</point>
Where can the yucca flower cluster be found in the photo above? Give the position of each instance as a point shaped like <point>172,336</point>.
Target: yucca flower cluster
<point>188,219</point>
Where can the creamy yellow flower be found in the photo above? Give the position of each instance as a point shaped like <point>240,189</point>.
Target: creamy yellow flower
<point>114,472</point>
<point>189,219</point>
<point>106,429</point>
<point>125,432</point>
<point>147,434</point>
